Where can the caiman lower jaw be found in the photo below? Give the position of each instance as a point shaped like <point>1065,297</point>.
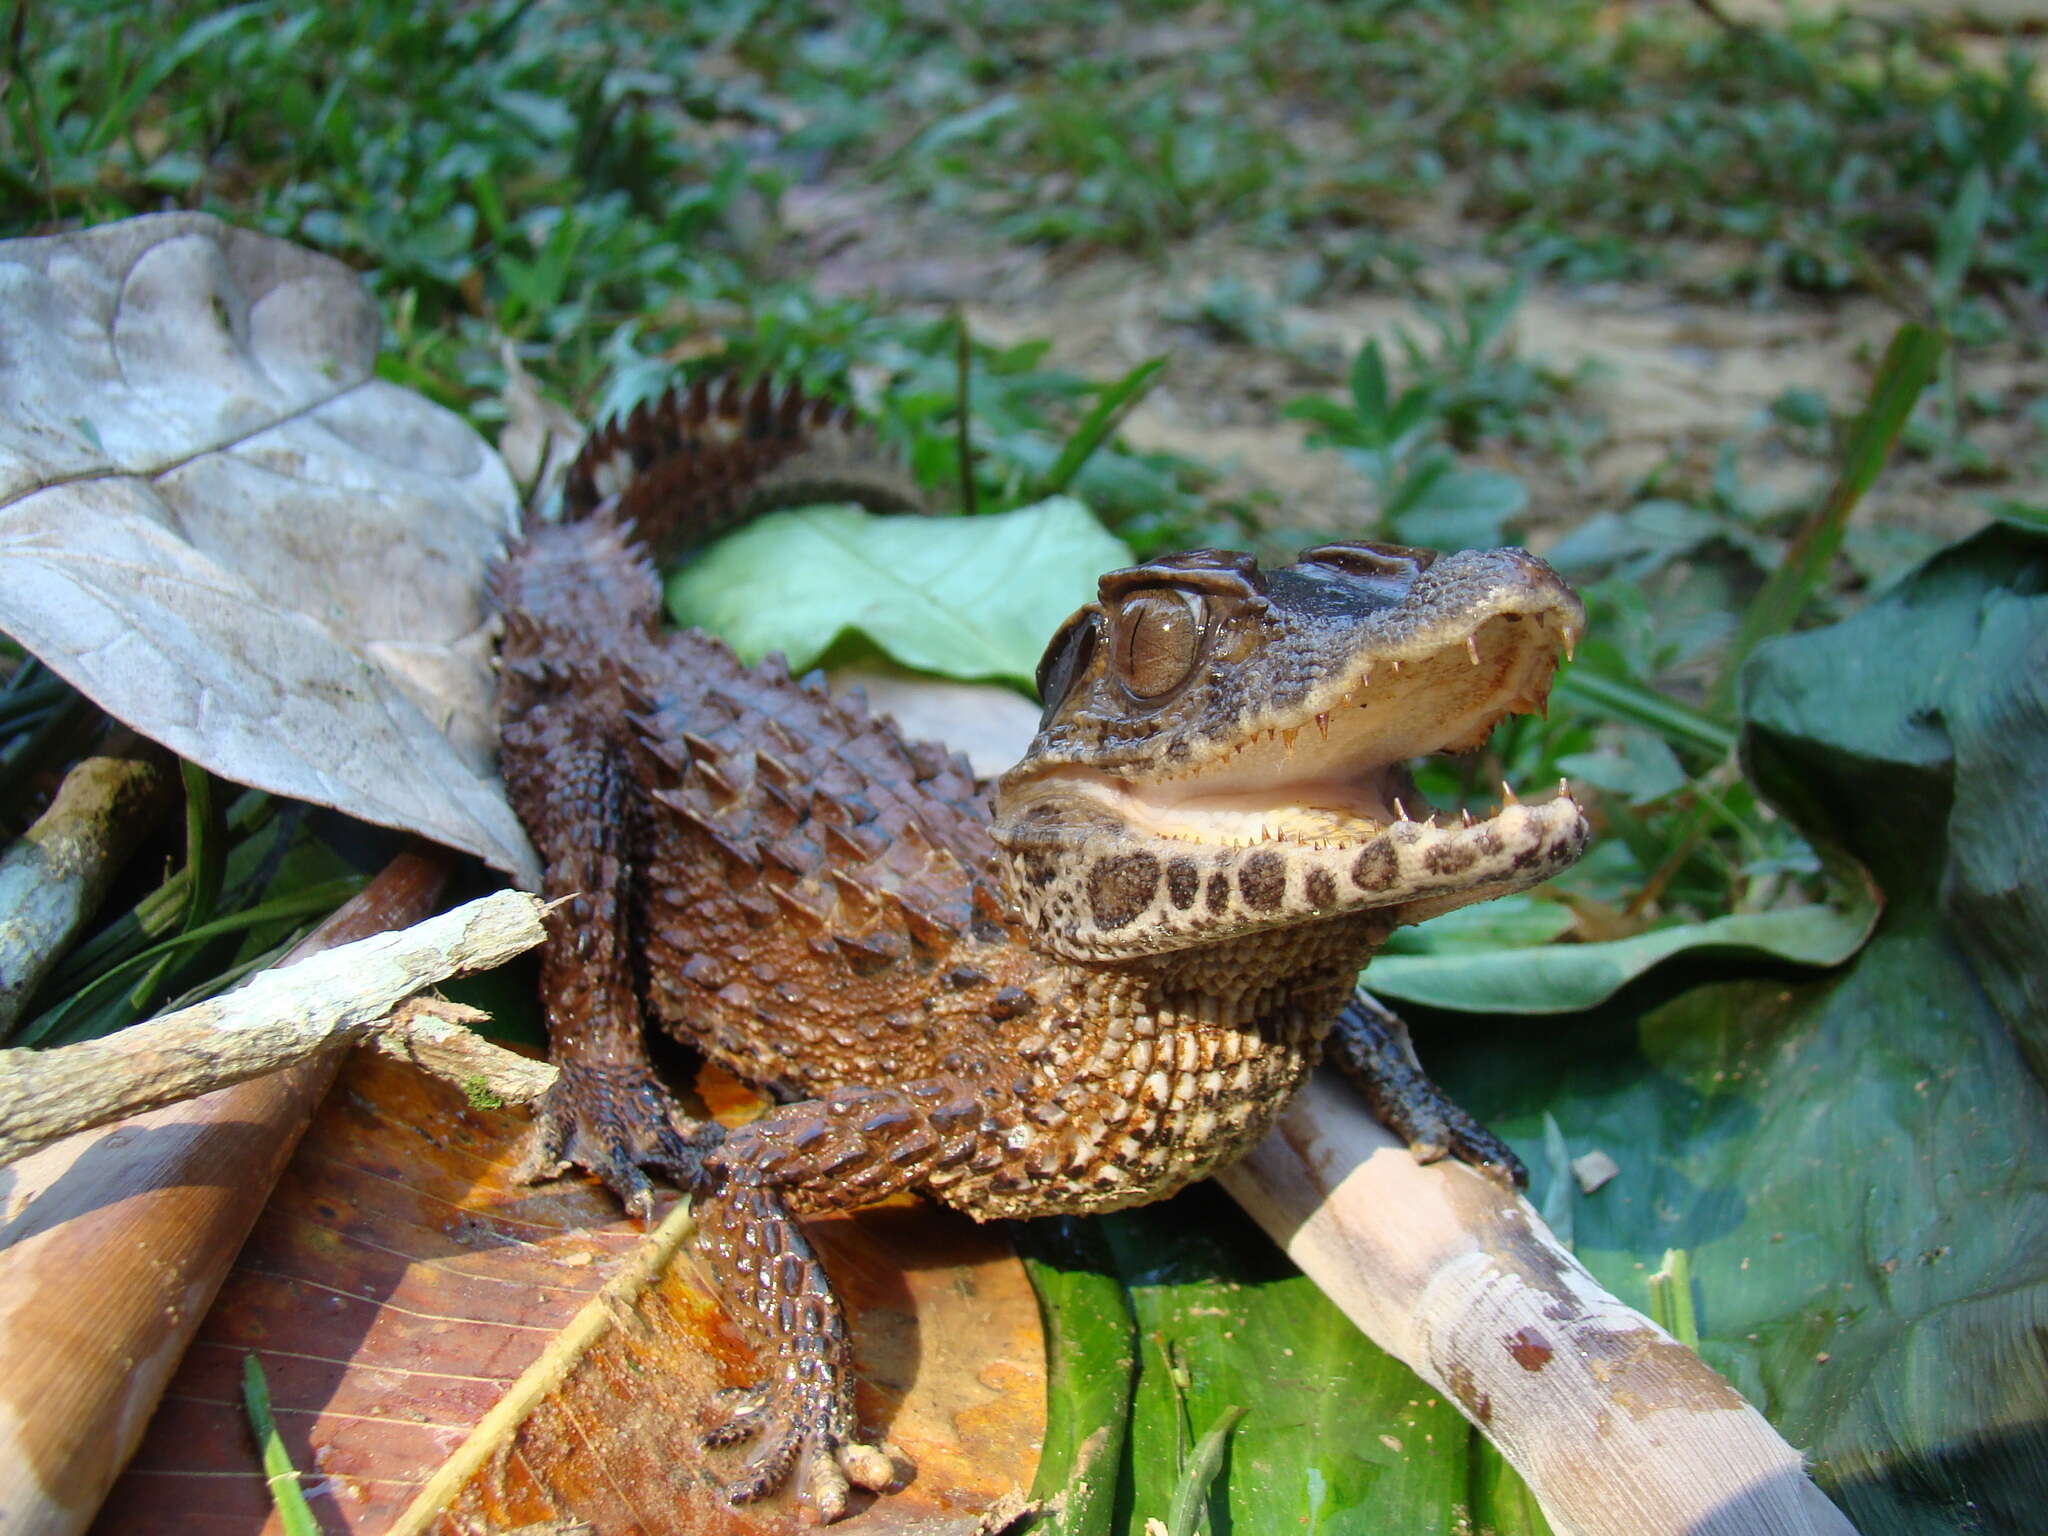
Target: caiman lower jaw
<point>1097,883</point>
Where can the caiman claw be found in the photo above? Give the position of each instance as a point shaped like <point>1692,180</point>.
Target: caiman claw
<point>826,1464</point>
<point>614,1123</point>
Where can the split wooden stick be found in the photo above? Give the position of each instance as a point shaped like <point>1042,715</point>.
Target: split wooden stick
<point>1617,1429</point>
<point>282,1017</point>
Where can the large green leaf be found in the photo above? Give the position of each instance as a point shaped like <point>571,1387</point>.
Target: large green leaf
<point>1856,1162</point>
<point>962,597</point>
<point>1337,1438</point>
<point>1566,978</point>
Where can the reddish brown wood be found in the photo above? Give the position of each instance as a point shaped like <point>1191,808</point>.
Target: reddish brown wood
<point>399,1281</point>
<point>115,1240</point>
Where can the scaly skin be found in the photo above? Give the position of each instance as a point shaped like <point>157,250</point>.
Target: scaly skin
<point>1079,993</point>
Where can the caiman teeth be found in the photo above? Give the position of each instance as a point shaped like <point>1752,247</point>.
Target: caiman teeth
<point>1336,828</point>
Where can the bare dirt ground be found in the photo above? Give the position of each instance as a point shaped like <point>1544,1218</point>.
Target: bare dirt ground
<point>1666,380</point>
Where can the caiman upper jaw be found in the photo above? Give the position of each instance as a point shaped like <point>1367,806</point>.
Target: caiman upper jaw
<point>1292,803</point>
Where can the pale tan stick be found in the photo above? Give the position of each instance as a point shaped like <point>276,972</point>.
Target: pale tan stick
<point>598,1317</point>
<point>282,1016</point>
<point>436,1036</point>
<point>113,1242</point>
<point>1617,1429</point>
<point>53,876</point>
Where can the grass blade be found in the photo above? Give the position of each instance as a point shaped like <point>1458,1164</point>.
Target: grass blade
<point>1909,364</point>
<point>963,367</point>
<point>1619,699</point>
<point>1191,1498</point>
<point>278,1472</point>
<point>72,1019</point>
<point>205,845</point>
<point>1115,402</point>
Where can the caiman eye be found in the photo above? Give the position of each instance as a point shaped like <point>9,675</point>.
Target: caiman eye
<point>1065,659</point>
<point>1159,635</point>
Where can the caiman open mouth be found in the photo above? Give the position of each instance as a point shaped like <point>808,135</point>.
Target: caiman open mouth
<point>1336,774</point>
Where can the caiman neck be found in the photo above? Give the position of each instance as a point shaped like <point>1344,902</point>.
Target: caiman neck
<point>1253,977</point>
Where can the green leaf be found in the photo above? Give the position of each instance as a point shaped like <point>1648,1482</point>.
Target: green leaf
<point>1644,770</point>
<point>1369,391</point>
<point>1090,1359</point>
<point>1565,978</point>
<point>1854,1162</point>
<point>961,597</point>
<point>1509,922</point>
<point>1462,509</point>
<point>1338,1433</point>
<point>1332,418</point>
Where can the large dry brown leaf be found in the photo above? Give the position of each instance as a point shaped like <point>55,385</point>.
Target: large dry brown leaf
<point>399,1284</point>
<point>217,522</point>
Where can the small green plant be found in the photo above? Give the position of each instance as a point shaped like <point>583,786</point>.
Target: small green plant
<point>1400,442</point>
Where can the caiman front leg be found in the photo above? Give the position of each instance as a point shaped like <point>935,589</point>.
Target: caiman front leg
<point>608,1112</point>
<point>1369,1044</point>
<point>854,1146</point>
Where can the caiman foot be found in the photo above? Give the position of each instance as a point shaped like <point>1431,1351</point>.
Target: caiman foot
<point>1370,1046</point>
<point>824,1463</point>
<point>615,1122</point>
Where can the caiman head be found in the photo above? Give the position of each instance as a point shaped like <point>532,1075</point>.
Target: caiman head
<point>1225,749</point>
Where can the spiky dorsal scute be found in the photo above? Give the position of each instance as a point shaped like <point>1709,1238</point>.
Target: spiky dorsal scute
<point>695,461</point>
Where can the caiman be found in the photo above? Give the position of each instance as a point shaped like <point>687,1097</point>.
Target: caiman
<point>1076,990</point>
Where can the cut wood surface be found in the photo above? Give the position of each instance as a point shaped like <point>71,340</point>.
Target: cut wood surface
<point>1617,1429</point>
<point>399,1286</point>
<point>113,1241</point>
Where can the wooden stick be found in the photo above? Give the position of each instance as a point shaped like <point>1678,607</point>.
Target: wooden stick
<point>116,1240</point>
<point>53,877</point>
<point>283,1016</point>
<point>1617,1429</point>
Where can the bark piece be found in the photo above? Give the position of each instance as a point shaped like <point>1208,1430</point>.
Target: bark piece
<point>284,1015</point>
<point>113,1241</point>
<point>53,877</point>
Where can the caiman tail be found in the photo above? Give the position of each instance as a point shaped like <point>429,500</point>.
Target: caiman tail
<point>581,597</point>
<point>680,470</point>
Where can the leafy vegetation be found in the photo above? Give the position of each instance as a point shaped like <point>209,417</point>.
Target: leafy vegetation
<point>604,195</point>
